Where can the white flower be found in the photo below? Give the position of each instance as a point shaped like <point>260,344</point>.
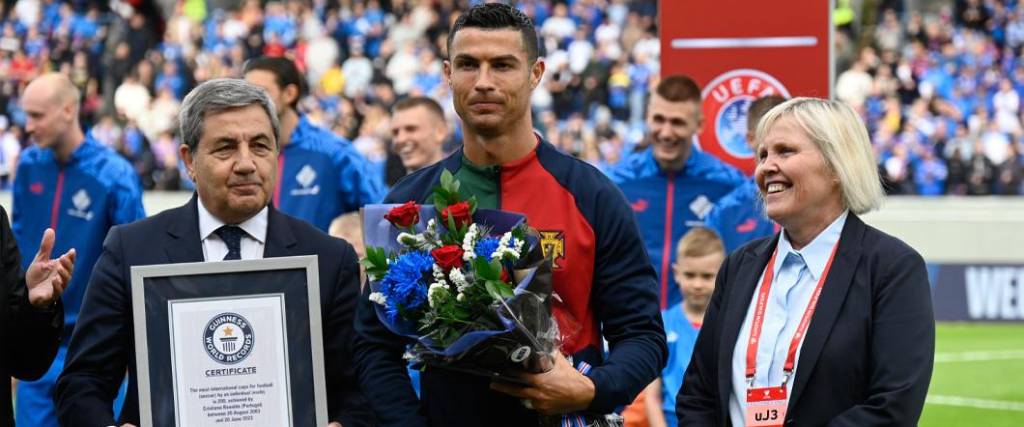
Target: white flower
<point>503,250</point>
<point>378,298</point>
<point>461,297</point>
<point>469,243</point>
<point>458,279</point>
<point>438,273</point>
<point>411,240</point>
<point>436,294</point>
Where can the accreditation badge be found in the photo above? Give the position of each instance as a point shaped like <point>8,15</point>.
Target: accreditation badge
<point>766,406</point>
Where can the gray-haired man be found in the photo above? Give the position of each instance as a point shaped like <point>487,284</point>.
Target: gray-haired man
<point>229,131</point>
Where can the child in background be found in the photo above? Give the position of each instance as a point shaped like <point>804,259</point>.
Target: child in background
<point>699,254</point>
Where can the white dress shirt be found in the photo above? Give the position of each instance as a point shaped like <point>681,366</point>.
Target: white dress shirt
<point>796,275</point>
<point>253,242</point>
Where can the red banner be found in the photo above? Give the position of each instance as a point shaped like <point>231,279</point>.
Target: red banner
<point>741,50</point>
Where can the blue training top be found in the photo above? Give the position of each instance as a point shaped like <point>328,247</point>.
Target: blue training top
<point>666,205</point>
<point>96,190</point>
<point>321,176</point>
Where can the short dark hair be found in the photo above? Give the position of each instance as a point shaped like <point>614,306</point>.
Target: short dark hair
<point>678,88</point>
<point>496,16</point>
<point>760,106</point>
<point>419,101</point>
<point>285,73</point>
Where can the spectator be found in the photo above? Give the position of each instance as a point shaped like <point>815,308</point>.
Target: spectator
<point>131,98</point>
<point>853,85</point>
<point>357,69</point>
<point>10,147</point>
<point>980,171</point>
<point>897,173</point>
<point>670,184</point>
<point>699,254</point>
<point>99,192</point>
<point>930,174</point>
<point>739,216</point>
<point>418,131</point>
<point>321,175</point>
<point>1007,108</point>
<point>1010,173</point>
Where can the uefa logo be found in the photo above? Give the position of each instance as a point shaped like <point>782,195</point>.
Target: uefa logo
<point>228,338</point>
<point>726,101</point>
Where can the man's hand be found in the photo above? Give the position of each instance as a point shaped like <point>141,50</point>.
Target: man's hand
<point>46,278</point>
<point>561,390</point>
<point>334,424</point>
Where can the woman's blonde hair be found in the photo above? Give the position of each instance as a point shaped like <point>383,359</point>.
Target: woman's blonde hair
<point>843,140</point>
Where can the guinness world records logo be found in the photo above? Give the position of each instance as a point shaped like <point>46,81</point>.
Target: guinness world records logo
<point>228,338</point>
<point>726,100</point>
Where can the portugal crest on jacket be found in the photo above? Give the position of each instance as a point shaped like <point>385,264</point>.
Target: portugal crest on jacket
<point>553,244</point>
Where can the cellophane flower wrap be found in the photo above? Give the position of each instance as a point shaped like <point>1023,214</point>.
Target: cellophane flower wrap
<point>470,286</point>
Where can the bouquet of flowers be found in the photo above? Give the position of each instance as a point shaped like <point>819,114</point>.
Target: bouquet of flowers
<point>470,286</point>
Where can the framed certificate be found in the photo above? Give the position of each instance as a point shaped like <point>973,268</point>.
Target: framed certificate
<point>233,343</point>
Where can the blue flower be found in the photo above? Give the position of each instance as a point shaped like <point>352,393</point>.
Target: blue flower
<point>405,284</point>
<point>486,247</point>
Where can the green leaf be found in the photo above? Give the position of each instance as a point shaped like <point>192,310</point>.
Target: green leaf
<point>446,178</point>
<point>504,289</point>
<point>484,270</point>
<point>440,204</point>
<point>493,289</point>
<point>374,258</point>
<point>472,205</point>
<point>495,265</point>
<point>460,313</point>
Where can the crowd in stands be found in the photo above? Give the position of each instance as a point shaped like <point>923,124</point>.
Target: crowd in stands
<point>941,96</point>
<point>940,92</point>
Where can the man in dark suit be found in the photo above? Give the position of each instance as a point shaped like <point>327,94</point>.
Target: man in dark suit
<point>31,312</point>
<point>230,145</point>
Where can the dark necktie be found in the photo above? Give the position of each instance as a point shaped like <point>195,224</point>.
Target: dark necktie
<point>232,237</point>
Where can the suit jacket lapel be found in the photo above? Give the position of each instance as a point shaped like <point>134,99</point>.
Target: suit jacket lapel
<point>184,244</point>
<point>280,240</point>
<point>741,294</point>
<point>833,295</point>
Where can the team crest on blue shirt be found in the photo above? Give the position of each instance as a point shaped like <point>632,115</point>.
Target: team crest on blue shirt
<point>306,178</point>
<point>228,338</point>
<point>726,101</point>
<point>701,206</point>
<point>80,203</point>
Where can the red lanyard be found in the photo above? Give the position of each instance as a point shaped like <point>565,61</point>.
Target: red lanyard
<point>759,309</point>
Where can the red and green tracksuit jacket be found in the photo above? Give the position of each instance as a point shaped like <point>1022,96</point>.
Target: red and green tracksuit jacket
<point>601,271</point>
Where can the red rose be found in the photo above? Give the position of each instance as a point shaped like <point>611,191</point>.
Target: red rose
<point>404,216</point>
<point>504,275</point>
<point>448,257</point>
<point>459,212</point>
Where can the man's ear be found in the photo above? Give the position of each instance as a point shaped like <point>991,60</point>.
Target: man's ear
<point>446,67</point>
<point>290,95</point>
<point>186,156</point>
<point>70,110</point>
<point>537,72</point>
<point>441,130</point>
